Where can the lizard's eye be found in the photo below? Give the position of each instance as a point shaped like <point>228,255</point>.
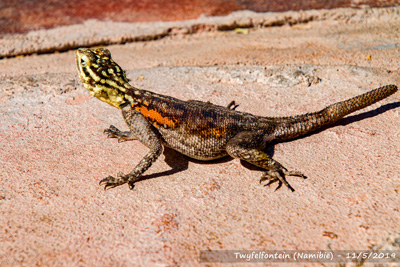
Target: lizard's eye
<point>83,63</point>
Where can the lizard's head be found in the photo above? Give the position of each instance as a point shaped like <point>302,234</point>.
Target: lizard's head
<point>102,76</point>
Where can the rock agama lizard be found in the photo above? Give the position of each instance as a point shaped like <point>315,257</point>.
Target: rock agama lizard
<point>197,129</point>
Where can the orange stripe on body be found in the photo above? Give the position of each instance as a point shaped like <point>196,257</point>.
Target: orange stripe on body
<point>155,116</point>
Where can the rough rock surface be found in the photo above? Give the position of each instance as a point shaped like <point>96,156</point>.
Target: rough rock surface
<point>53,152</point>
<point>21,16</point>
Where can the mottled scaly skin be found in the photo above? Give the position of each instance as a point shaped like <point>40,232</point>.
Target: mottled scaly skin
<point>200,130</point>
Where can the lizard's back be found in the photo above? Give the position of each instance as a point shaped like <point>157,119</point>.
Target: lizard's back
<point>197,129</point>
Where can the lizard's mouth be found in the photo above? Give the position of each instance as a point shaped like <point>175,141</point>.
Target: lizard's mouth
<point>88,83</point>
<point>82,62</point>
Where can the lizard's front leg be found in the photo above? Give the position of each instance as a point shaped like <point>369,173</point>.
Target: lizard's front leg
<point>247,146</point>
<point>143,131</point>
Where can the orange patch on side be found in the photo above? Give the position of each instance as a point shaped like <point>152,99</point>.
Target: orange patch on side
<point>155,116</point>
<point>213,132</point>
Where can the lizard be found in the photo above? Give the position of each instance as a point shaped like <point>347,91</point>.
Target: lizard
<point>197,129</point>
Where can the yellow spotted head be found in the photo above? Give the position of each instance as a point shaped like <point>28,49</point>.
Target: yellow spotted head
<point>104,78</point>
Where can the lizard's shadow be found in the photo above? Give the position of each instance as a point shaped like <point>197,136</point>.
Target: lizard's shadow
<point>179,162</point>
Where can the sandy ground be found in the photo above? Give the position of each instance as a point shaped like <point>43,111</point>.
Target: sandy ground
<point>53,151</point>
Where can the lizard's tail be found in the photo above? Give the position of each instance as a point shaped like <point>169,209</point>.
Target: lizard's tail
<point>292,127</point>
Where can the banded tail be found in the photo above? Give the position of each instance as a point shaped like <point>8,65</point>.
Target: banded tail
<point>292,127</point>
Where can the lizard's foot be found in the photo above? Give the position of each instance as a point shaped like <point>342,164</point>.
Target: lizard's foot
<point>114,132</point>
<point>245,146</point>
<point>111,182</point>
<point>232,105</point>
<point>279,175</point>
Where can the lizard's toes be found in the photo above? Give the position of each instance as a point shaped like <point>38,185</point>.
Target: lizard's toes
<point>295,173</point>
<point>273,176</point>
<point>112,132</point>
<point>111,182</point>
<point>267,177</point>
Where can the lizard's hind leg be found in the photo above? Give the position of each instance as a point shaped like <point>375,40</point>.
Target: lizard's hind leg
<point>248,147</point>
